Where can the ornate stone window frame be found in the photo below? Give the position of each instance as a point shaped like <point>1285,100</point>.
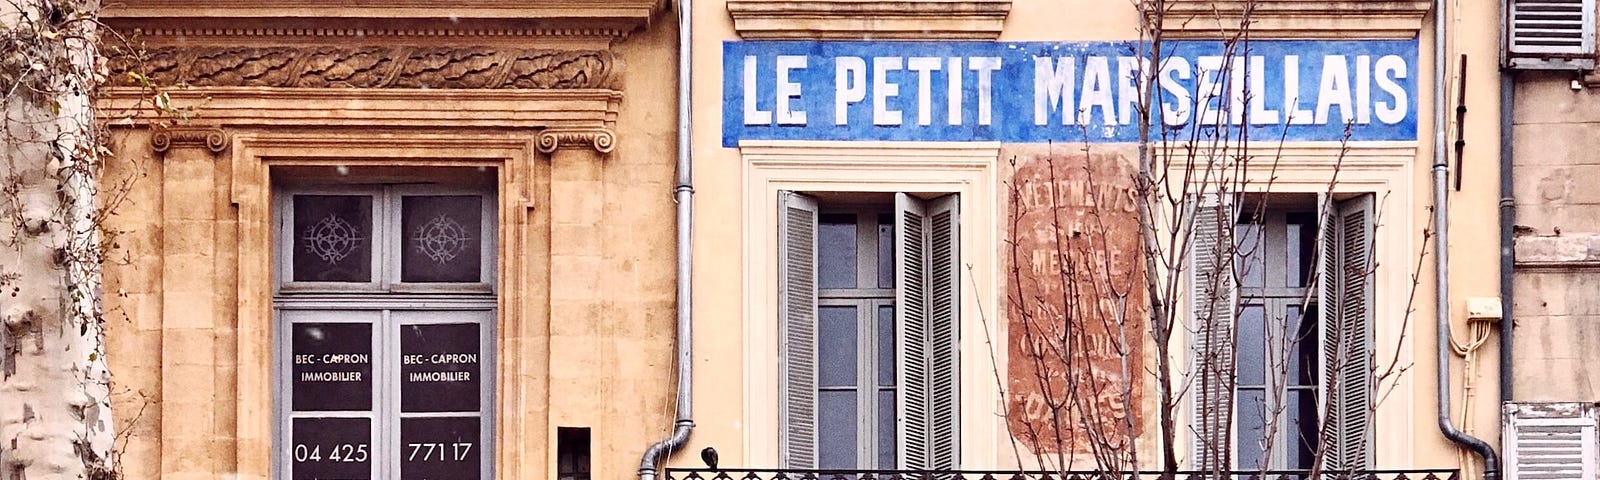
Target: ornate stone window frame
<point>244,130</point>
<point>859,19</point>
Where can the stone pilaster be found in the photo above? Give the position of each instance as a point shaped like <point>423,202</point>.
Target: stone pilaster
<point>578,301</point>
<point>193,370</point>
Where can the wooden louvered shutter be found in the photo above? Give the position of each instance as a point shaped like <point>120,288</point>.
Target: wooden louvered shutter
<point>1212,307</point>
<point>797,320</point>
<point>927,287</point>
<point>1549,441</point>
<point>1347,292</point>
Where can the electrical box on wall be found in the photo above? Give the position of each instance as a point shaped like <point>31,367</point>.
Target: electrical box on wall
<point>1483,309</point>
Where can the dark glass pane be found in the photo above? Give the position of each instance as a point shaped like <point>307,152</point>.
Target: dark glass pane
<point>1302,247</point>
<point>1293,262</point>
<point>1252,348</point>
<point>332,366</point>
<point>439,368</point>
<point>885,251</point>
<point>331,448</point>
<point>836,251</point>
<point>1304,350</point>
<point>443,238</point>
<point>886,352</point>
<point>1302,428</point>
<point>332,238</point>
<point>1251,257</point>
<point>1252,428</point>
<point>836,429</point>
<point>836,346</point>
<point>886,429</point>
<point>440,447</point>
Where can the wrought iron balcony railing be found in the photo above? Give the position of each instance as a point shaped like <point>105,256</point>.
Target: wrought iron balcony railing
<point>791,474</point>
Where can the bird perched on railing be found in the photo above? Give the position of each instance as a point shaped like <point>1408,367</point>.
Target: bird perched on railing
<point>710,457</point>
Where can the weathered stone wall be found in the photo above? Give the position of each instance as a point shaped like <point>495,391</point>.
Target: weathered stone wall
<point>1557,308</point>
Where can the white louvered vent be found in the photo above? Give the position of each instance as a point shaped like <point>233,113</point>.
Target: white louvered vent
<point>1550,441</point>
<point>1550,34</point>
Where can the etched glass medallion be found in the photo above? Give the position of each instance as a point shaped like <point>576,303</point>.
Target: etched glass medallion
<point>442,237</point>
<point>332,238</point>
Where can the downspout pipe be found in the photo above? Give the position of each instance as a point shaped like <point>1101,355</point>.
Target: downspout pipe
<point>1508,219</point>
<point>1441,222</point>
<point>683,195</point>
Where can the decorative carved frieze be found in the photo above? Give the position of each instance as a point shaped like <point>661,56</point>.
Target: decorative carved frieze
<point>374,67</point>
<point>211,138</point>
<point>600,139</point>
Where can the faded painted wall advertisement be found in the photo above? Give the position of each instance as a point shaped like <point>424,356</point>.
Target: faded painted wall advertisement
<point>1076,297</point>
<point>1030,92</point>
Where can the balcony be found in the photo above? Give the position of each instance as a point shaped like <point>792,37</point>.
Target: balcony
<point>791,474</point>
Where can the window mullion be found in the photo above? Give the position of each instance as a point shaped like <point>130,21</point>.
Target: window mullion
<point>866,382</point>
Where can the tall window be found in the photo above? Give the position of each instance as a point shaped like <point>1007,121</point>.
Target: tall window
<point>385,327</point>
<point>869,337</point>
<point>1283,332</point>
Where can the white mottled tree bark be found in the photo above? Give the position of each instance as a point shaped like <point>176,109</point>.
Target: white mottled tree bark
<point>55,411</point>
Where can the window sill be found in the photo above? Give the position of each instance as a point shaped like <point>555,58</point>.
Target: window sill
<point>1297,18</point>
<point>867,19</point>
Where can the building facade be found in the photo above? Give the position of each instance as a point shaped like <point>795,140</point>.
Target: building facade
<point>409,239</point>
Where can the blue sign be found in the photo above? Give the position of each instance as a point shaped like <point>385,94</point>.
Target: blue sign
<point>1033,92</point>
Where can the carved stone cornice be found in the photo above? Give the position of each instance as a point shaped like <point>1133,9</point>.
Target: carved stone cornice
<point>374,67</point>
<point>210,138</point>
<point>600,139</point>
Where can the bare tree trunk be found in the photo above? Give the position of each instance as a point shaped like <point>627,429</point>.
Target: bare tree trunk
<point>55,411</point>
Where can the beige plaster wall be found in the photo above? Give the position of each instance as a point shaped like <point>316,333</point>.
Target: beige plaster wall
<point>1407,428</point>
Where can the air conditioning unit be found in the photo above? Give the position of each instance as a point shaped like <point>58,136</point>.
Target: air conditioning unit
<point>1550,35</point>
<point>1550,441</point>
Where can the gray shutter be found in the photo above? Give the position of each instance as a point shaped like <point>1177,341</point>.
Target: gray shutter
<point>1212,308</point>
<point>797,333</point>
<point>927,288</point>
<point>1550,441</point>
<point>1347,334</point>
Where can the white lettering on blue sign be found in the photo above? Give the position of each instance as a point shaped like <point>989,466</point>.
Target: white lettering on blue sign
<point>1066,92</point>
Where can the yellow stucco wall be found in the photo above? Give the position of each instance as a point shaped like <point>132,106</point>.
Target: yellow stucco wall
<point>727,413</point>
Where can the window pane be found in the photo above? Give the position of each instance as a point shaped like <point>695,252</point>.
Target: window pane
<point>886,352</point>
<point>1252,428</point>
<point>332,238</point>
<point>836,429</point>
<point>332,366</point>
<point>885,251</point>
<point>1302,244</point>
<point>1302,428</point>
<point>1303,362</point>
<point>331,448</point>
<point>886,431</point>
<point>440,447</point>
<point>1251,257</point>
<point>1252,351</point>
<point>439,368</point>
<point>836,251</point>
<point>443,238</point>
<point>836,346</point>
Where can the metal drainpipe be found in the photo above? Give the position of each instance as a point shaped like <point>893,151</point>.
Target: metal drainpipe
<point>1441,174</point>
<point>1508,221</point>
<point>683,195</point>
